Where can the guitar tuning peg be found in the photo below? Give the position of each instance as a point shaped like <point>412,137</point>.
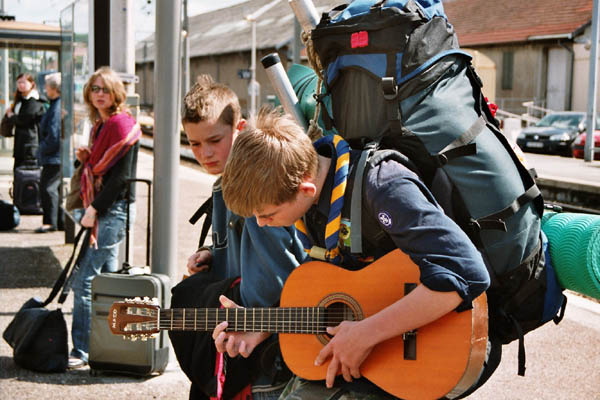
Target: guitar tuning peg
<point>155,300</point>
<point>144,338</point>
<point>134,338</point>
<point>137,298</point>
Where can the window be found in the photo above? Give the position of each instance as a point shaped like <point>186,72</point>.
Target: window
<point>507,70</point>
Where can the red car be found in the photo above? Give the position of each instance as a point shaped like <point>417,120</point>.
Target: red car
<point>578,145</point>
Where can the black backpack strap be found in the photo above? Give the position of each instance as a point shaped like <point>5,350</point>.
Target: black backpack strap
<point>390,94</point>
<point>496,220</point>
<point>368,159</point>
<point>326,16</point>
<point>356,204</point>
<point>64,279</point>
<point>462,145</point>
<point>325,116</point>
<point>205,208</point>
<point>481,104</point>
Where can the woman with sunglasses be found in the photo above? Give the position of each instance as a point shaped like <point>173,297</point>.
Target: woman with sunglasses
<point>108,162</point>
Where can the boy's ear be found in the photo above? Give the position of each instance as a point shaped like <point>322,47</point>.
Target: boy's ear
<point>308,189</point>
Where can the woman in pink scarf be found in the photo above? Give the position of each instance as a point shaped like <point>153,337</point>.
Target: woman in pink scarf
<point>108,162</point>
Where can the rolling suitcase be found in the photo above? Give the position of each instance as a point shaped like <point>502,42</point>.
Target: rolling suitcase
<point>109,352</point>
<point>25,191</point>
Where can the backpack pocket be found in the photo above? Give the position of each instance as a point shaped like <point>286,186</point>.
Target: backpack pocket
<point>526,297</point>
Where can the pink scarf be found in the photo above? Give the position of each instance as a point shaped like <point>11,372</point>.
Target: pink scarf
<point>110,142</point>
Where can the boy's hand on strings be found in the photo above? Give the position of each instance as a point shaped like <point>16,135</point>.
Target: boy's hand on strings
<point>236,343</point>
<point>347,350</point>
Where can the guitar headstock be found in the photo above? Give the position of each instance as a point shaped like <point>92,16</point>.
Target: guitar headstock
<point>135,318</point>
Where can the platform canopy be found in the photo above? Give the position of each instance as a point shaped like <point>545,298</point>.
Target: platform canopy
<point>29,35</point>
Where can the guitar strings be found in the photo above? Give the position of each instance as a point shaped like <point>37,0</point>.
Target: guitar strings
<point>289,319</point>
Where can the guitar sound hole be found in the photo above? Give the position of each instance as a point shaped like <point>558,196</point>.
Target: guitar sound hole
<point>338,312</point>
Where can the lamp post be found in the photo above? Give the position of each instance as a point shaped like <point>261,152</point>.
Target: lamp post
<point>593,77</point>
<point>254,86</point>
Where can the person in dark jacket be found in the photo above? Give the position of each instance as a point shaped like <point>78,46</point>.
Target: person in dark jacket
<point>25,114</point>
<point>49,155</point>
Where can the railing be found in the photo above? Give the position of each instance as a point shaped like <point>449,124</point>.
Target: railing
<point>525,118</point>
<point>531,107</point>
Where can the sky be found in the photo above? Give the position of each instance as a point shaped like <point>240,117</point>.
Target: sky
<point>48,11</point>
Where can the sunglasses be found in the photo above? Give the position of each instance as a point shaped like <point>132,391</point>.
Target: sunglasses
<point>97,89</point>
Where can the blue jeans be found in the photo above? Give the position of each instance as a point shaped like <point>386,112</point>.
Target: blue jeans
<point>111,232</point>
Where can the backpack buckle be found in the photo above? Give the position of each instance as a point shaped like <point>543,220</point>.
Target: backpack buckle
<point>389,88</point>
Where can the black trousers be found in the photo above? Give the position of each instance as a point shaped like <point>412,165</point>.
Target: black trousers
<point>49,184</point>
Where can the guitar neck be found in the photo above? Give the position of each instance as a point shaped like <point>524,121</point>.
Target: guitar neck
<point>310,320</point>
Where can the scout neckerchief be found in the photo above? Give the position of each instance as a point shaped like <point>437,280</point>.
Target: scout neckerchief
<point>331,253</point>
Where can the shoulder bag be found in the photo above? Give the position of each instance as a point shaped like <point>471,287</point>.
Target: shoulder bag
<point>39,336</point>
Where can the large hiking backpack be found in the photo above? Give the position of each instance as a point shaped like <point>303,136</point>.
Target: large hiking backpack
<point>396,79</point>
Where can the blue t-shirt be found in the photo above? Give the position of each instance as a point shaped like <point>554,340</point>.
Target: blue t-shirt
<point>262,256</point>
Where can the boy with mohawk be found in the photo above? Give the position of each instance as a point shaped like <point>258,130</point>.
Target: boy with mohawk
<point>262,258</point>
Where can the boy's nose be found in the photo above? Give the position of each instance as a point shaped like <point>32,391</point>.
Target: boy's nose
<point>260,221</point>
<point>207,151</point>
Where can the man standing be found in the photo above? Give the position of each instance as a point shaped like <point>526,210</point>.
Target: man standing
<point>49,154</point>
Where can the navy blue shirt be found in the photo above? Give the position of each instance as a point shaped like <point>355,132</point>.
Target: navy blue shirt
<point>409,214</point>
<point>50,134</point>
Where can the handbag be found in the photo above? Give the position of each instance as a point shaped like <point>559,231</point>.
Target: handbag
<point>73,199</point>
<point>7,127</point>
<point>39,336</point>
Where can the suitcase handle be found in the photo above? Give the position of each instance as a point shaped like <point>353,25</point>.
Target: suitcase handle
<point>148,182</point>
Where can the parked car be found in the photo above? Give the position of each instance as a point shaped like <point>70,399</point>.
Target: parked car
<point>578,145</point>
<point>554,133</point>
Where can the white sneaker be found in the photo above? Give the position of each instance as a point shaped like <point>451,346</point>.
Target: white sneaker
<point>76,362</point>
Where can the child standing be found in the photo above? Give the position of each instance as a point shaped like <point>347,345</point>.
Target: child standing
<point>263,258</point>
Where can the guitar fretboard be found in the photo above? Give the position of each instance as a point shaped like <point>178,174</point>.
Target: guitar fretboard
<point>310,320</point>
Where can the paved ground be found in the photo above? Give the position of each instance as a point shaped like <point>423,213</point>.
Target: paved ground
<point>29,264</point>
<point>563,362</point>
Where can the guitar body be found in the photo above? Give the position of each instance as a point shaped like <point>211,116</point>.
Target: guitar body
<point>446,357</point>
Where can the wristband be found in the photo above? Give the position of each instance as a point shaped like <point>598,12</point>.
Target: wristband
<point>209,248</point>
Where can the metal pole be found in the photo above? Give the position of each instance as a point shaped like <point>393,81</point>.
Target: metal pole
<point>283,87</point>
<point>254,86</point>
<point>122,44</point>
<point>122,60</point>
<point>588,152</point>
<point>305,13</point>
<point>185,78</point>
<point>253,71</point>
<point>297,43</point>
<point>5,89</point>
<point>166,137</point>
<point>5,82</point>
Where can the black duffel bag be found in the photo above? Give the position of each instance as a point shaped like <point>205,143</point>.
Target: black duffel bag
<point>39,336</point>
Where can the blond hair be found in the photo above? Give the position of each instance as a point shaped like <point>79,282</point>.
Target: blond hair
<point>208,100</point>
<point>267,163</point>
<point>114,84</point>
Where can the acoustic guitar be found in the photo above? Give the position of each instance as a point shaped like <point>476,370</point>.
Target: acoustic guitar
<point>443,358</point>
